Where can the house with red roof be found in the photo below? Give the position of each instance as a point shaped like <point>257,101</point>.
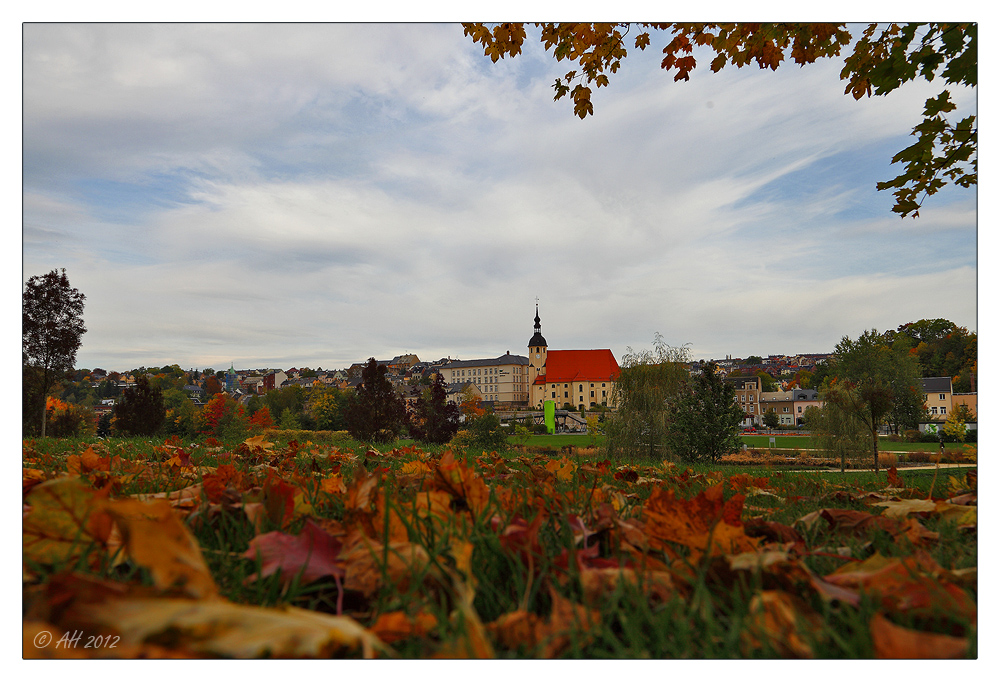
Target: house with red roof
<point>580,378</point>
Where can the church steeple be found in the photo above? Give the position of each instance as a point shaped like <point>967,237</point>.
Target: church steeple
<point>537,353</point>
<point>537,339</point>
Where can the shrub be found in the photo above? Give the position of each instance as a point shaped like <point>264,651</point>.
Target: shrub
<point>886,460</point>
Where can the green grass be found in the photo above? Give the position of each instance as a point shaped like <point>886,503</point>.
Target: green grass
<point>710,621</point>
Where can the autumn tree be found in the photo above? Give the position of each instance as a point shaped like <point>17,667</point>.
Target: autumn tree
<point>705,424</point>
<point>434,420</point>
<point>885,56</point>
<point>51,332</point>
<point>377,413</point>
<point>222,418</point>
<point>140,411</point>
<point>261,419</point>
<point>327,409</point>
<point>646,393</point>
<point>870,378</point>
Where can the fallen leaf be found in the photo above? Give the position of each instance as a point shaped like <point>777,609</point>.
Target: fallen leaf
<point>892,641</point>
<point>156,538</point>
<point>64,521</point>
<point>697,522</point>
<point>310,555</point>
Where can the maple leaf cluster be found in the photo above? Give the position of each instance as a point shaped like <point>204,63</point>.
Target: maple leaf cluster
<point>441,555</point>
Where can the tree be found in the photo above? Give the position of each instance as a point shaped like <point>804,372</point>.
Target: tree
<point>377,414</point>
<point>140,411</point>
<point>874,379</point>
<point>327,409</point>
<point>771,419</point>
<point>434,420</point>
<point>838,429</point>
<point>706,421</point>
<point>261,419</point>
<point>51,331</point>
<point>885,57</point>
<point>645,393</point>
<point>767,382</point>
<point>223,418</point>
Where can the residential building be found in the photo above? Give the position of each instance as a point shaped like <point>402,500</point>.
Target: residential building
<point>783,404</point>
<point>804,398</point>
<point>502,379</point>
<point>937,397</point>
<point>967,399</point>
<point>748,390</point>
<point>582,378</point>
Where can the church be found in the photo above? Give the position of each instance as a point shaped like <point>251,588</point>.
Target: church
<point>579,378</point>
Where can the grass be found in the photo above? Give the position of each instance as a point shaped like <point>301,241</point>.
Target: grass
<point>536,591</point>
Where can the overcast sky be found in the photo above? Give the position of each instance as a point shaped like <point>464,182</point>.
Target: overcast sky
<point>312,195</point>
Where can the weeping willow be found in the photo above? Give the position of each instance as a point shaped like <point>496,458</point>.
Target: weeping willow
<point>650,383</point>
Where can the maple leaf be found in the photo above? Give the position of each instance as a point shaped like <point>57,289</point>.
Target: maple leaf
<point>704,523</point>
<point>64,521</point>
<point>461,482</point>
<point>309,556</point>
<point>156,538</point>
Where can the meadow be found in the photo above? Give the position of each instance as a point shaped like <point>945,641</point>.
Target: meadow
<point>285,548</point>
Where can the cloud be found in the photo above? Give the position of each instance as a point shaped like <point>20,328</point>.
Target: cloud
<point>313,195</point>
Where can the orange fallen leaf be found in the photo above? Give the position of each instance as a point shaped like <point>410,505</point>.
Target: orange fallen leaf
<point>892,641</point>
<point>156,538</point>
<point>695,523</point>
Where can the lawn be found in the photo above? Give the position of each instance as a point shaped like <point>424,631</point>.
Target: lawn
<point>153,549</point>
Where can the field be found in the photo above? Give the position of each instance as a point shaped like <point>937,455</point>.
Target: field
<point>287,549</point>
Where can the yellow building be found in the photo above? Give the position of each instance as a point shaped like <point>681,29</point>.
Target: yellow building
<point>581,378</point>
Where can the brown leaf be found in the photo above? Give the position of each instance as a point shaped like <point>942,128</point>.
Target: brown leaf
<point>549,636</point>
<point>779,618</point>
<point>893,641</point>
<point>697,522</point>
<point>63,521</point>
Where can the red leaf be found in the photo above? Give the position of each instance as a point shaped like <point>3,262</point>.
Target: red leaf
<point>310,555</point>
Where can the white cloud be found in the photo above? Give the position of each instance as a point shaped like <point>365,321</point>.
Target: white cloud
<point>289,195</point>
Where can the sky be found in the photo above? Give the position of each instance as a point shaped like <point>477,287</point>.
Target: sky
<point>289,195</point>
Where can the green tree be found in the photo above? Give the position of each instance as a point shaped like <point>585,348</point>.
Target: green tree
<point>327,409</point>
<point>51,332</point>
<point>434,420</point>
<point>377,414</point>
<point>873,376</point>
<point>885,56</point>
<point>140,410</point>
<point>706,421</point>
<point>289,420</point>
<point>767,382</point>
<point>483,431</point>
<point>180,413</point>
<point>646,392</point>
<point>837,426</point>
<point>907,394</point>
<point>771,419</point>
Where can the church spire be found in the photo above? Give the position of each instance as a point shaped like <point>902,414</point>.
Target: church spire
<point>537,339</point>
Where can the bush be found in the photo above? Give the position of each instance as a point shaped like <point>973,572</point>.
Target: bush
<point>481,432</point>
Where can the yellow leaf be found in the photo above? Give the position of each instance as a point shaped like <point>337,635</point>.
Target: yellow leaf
<point>156,538</point>
<point>219,628</point>
<point>64,521</point>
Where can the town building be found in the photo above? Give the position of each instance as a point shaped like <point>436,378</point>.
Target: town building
<point>748,391</point>
<point>503,379</point>
<point>581,378</point>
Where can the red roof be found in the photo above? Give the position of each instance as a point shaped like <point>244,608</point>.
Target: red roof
<point>579,365</point>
